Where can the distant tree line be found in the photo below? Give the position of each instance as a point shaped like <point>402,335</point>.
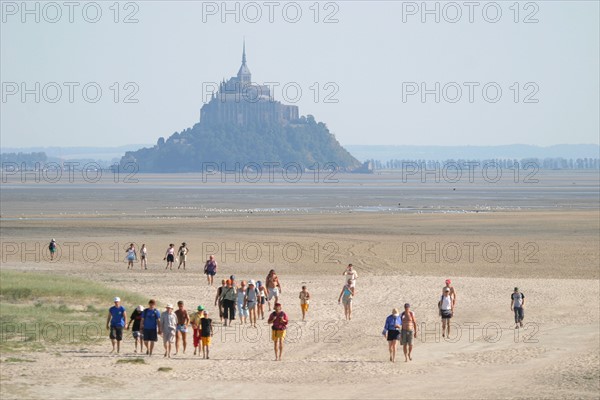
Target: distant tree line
<point>29,159</point>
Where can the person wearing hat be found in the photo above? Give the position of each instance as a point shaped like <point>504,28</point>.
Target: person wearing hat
<point>150,323</point>
<point>446,307</point>
<point>517,303</point>
<point>197,326</point>
<point>168,327</point>
<point>116,322</point>
<point>228,298</point>
<point>251,297</point>
<point>52,248</point>
<point>391,331</point>
<point>183,252</point>
<point>279,319</point>
<point>136,319</point>
<point>452,291</point>
<point>409,330</point>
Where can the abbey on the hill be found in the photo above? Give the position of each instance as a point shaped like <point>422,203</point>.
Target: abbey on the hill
<point>241,101</point>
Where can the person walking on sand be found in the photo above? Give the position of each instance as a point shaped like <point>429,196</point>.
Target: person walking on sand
<point>131,256</point>
<point>183,320</point>
<point>170,256</point>
<point>350,273</point>
<point>144,257</point>
<point>136,319</point>
<point>409,330</point>
<point>262,291</point>
<point>452,291</point>
<point>446,307</point>
<point>207,333</point>
<point>168,328</point>
<point>346,296</point>
<point>218,300</point>
<point>210,269</point>
<point>183,252</point>
<point>304,300</point>
<point>279,319</point>
<point>52,248</point>
<point>273,287</point>
<point>241,305</point>
<point>116,322</point>
<point>197,326</point>
<point>517,304</point>
<point>228,297</point>
<point>150,323</point>
<point>391,331</point>
<point>251,297</point>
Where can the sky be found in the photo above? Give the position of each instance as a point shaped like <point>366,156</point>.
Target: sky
<point>376,72</point>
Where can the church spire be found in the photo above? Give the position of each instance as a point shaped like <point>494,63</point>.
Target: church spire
<point>244,53</point>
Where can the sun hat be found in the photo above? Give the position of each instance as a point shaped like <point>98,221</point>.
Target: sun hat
<point>251,282</point>
<point>395,311</point>
<point>448,281</point>
<point>140,308</point>
<point>200,308</point>
<point>169,305</point>
<point>116,299</point>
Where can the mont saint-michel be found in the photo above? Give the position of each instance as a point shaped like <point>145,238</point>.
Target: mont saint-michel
<point>243,124</point>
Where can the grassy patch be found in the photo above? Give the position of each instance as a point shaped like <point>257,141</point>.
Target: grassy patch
<point>131,361</point>
<point>38,310</point>
<point>17,360</point>
<point>165,369</point>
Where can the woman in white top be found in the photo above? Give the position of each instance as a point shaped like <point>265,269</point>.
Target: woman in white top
<point>242,309</point>
<point>143,255</point>
<point>446,306</point>
<point>351,274</point>
<point>170,256</point>
<point>131,256</point>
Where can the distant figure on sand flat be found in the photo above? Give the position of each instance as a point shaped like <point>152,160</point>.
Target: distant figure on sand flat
<point>279,319</point>
<point>409,330</point>
<point>219,300</point>
<point>273,287</point>
<point>170,256</point>
<point>446,307</point>
<point>210,269</point>
<point>346,296</point>
<point>391,331</point>
<point>150,323</point>
<point>452,292</point>
<point>350,273</point>
<point>52,248</point>
<point>116,322</point>
<point>517,304</point>
<point>183,252</point>
<point>144,257</point>
<point>251,299</point>
<point>207,333</point>
<point>131,256</point>
<point>262,291</point>
<point>136,329</point>
<point>183,320</point>
<point>304,301</point>
<point>168,327</point>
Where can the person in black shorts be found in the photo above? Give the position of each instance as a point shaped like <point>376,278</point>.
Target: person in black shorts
<point>136,319</point>
<point>151,325</point>
<point>205,334</point>
<point>391,331</point>
<point>116,322</point>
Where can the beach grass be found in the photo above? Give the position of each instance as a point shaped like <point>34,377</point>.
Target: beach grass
<point>131,361</point>
<point>165,369</point>
<point>38,310</point>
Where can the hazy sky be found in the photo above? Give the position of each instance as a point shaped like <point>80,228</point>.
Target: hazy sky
<point>377,58</point>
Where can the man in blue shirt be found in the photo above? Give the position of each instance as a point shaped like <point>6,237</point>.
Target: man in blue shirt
<point>116,322</point>
<point>391,330</point>
<point>151,325</point>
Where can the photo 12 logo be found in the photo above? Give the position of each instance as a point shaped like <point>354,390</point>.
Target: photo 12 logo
<point>470,12</point>
<point>469,92</point>
<point>52,12</point>
<point>289,92</point>
<point>253,12</point>
<point>67,172</point>
<point>69,92</point>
